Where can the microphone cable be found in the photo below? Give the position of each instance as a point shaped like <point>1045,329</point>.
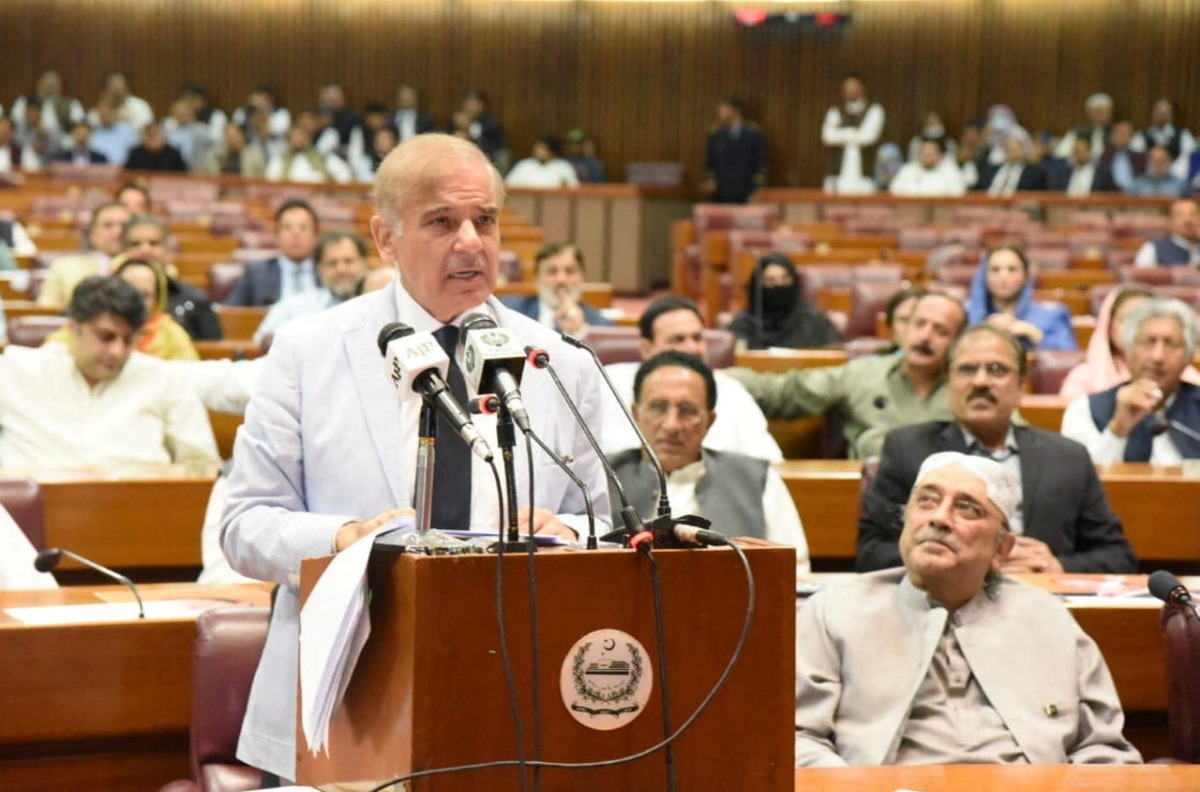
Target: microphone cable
<point>718,686</point>
<point>534,641</point>
<point>656,581</point>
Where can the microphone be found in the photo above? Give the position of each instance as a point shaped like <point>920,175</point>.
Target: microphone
<point>696,535</point>
<point>48,559</point>
<point>1166,587</point>
<point>664,502</point>
<point>540,359</point>
<point>492,363</point>
<point>416,361</point>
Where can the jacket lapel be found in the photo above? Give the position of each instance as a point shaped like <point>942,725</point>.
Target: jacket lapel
<point>1030,457</point>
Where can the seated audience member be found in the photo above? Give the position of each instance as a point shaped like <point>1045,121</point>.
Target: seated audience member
<point>971,151</point>
<point>1155,415</point>
<point>736,159</point>
<point>17,555</point>
<point>1002,295</point>
<point>1086,174</point>
<point>39,146</point>
<point>112,406</point>
<point>1119,156</point>
<point>483,129</point>
<point>580,151</point>
<point>1105,365</point>
<point>212,117</point>
<point>1163,132</point>
<point>1001,124</point>
<point>544,170</point>
<point>898,314</point>
<point>186,133</point>
<point>102,241</point>
<point>409,120</point>
<point>1062,520</point>
<point>79,151</point>
<point>147,237</point>
<point>777,314</point>
<point>1098,109</point>
<point>262,102</point>
<point>129,109</point>
<point>340,120</point>
<point>383,140</point>
<point>1016,173</point>
<point>875,393</point>
<point>301,162</point>
<point>14,237</point>
<point>111,136</point>
<point>931,175</point>
<point>236,156</point>
<point>292,271</point>
<point>56,112</point>
<point>674,323</point>
<point>14,157</point>
<point>946,660</point>
<point>1158,181</point>
<point>932,128</point>
<point>134,197</point>
<point>160,336</point>
<point>674,399</point>
<point>1182,247</point>
<point>559,299</point>
<point>154,154</point>
<point>341,264</point>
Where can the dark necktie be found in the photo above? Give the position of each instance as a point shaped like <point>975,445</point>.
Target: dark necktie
<point>452,470</point>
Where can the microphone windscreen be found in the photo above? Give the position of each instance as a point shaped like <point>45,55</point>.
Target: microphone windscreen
<point>1162,583</point>
<point>47,560</point>
<point>478,321</point>
<point>390,332</point>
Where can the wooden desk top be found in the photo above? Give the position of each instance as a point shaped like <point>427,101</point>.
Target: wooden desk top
<point>1003,778</point>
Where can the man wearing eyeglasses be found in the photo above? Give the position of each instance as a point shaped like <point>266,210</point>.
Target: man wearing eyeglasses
<point>674,400</point>
<point>1062,522</point>
<point>1155,417</point>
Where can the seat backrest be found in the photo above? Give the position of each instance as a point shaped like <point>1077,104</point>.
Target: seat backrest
<point>868,299</point>
<point>229,643</point>
<point>22,498</point>
<point>1051,366</point>
<point>222,277</point>
<point>31,331</point>
<point>1181,632</point>
<point>726,217</point>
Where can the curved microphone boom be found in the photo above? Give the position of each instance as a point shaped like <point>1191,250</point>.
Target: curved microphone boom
<point>417,361</point>
<point>48,559</point>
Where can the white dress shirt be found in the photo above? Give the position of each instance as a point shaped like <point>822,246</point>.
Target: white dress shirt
<point>17,555</point>
<point>51,417</point>
<point>549,175</point>
<point>301,170</point>
<point>1106,448</point>
<point>779,510</point>
<point>944,180</point>
<point>1006,180</point>
<point>296,277</point>
<point>1147,256</point>
<point>740,425</point>
<point>850,179</point>
<point>1080,185</point>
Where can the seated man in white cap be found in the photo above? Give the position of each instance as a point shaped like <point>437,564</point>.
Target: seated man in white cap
<point>946,661</point>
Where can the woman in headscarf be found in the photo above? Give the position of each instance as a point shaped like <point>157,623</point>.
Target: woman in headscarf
<point>1105,365</point>
<point>776,314</point>
<point>1002,295</point>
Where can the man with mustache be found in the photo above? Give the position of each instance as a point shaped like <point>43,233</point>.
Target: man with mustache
<point>1155,417</point>
<point>874,394</point>
<point>1062,521</point>
<point>945,660</point>
<point>558,302</point>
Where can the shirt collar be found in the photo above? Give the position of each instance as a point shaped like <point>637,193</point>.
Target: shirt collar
<point>689,474</point>
<point>1008,449</point>
<point>416,317</point>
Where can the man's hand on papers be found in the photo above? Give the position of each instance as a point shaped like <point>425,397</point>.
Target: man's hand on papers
<point>544,522</point>
<point>352,531</point>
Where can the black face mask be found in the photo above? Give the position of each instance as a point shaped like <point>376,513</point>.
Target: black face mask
<point>778,301</point>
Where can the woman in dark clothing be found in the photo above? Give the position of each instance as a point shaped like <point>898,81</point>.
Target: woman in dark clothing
<point>776,314</point>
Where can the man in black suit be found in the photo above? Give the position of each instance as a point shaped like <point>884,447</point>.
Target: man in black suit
<point>1064,522</point>
<point>409,121</point>
<point>80,153</point>
<point>1016,173</point>
<point>558,302</point>
<point>292,271</point>
<point>1085,175</point>
<point>736,161</point>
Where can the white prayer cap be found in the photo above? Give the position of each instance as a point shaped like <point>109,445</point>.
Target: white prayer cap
<point>1099,99</point>
<point>1003,490</point>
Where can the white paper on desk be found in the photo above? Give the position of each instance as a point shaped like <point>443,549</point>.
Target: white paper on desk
<point>334,626</point>
<point>101,612</point>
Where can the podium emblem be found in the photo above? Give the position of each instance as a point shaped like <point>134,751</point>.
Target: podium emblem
<point>606,679</point>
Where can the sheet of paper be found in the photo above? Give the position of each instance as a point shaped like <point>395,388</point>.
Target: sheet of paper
<point>102,612</point>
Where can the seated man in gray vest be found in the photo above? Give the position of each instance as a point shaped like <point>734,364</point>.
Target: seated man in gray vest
<point>1156,416</point>
<point>1182,247</point>
<point>946,661</point>
<point>674,400</point>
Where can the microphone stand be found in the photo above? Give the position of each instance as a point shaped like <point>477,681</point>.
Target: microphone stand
<point>426,457</point>
<point>506,437</point>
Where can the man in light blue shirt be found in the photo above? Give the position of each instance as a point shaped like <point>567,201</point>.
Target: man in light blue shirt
<point>341,264</point>
<point>111,137</point>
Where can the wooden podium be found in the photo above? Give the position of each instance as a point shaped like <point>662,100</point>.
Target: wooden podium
<point>429,690</point>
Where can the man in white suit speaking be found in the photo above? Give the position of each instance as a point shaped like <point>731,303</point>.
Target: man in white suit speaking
<point>328,449</point>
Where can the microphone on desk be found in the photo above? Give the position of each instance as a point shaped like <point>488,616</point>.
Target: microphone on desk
<point>48,559</point>
<point>1166,587</point>
<point>492,364</point>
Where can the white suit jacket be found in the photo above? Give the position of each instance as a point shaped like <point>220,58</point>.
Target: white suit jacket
<point>862,650</point>
<point>319,448</point>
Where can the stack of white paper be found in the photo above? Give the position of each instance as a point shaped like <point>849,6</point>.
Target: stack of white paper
<point>334,625</point>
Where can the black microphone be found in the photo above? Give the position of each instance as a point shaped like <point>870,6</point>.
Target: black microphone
<point>48,559</point>
<point>416,361</point>
<point>1166,587</point>
<point>540,359</point>
<point>664,502</point>
<point>492,363</point>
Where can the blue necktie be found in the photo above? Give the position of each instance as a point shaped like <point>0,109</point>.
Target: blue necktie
<point>452,470</point>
